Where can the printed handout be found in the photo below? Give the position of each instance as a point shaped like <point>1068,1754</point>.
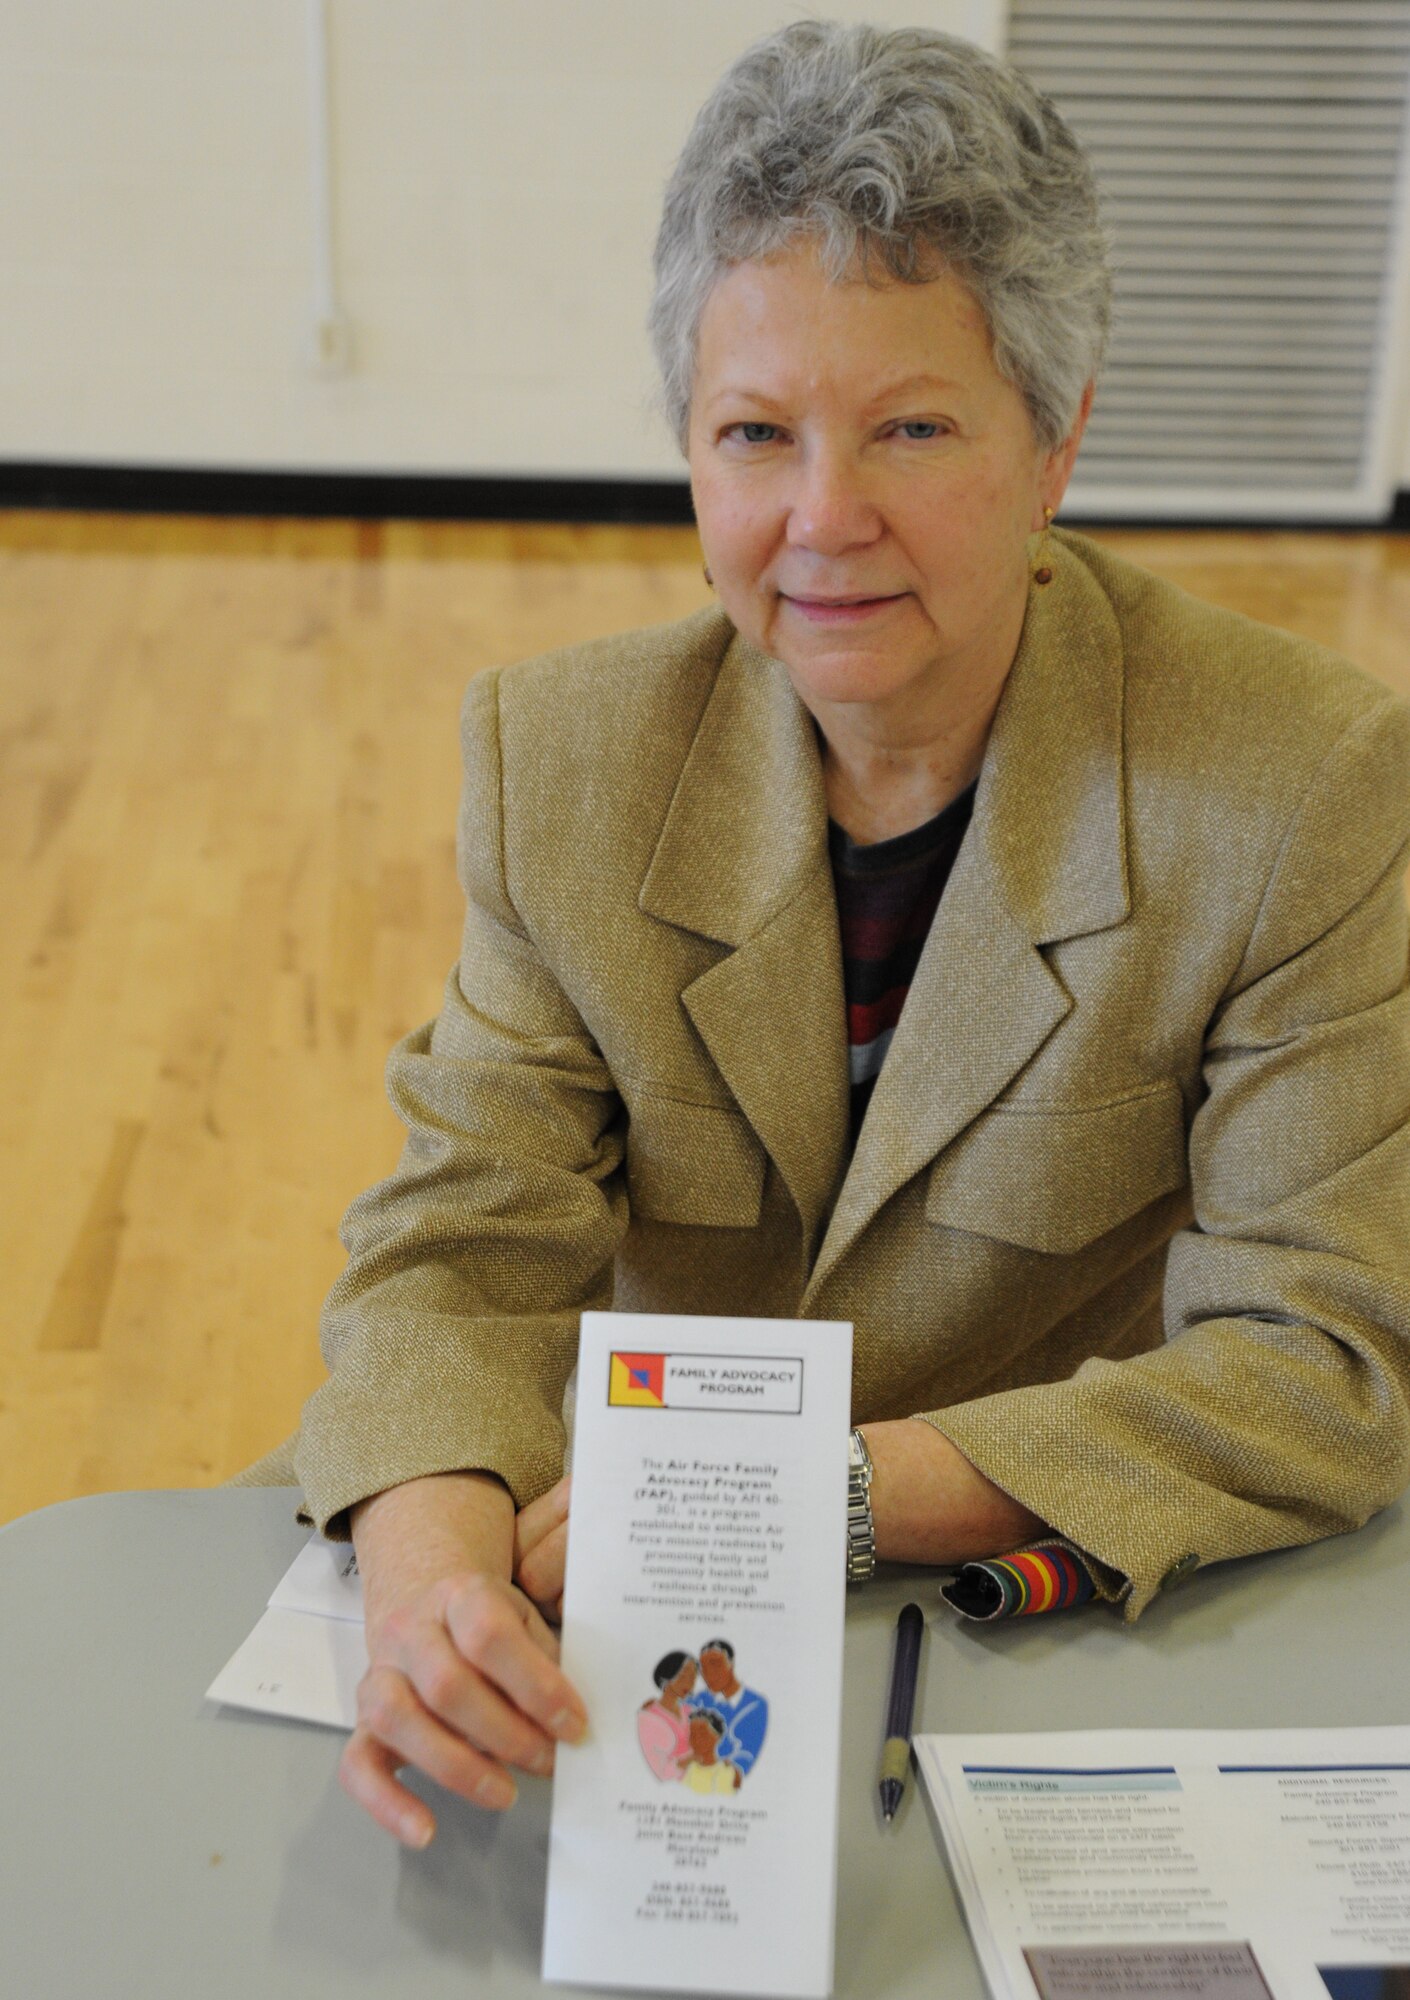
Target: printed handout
<point>694,1833</point>
<point>1181,1864</point>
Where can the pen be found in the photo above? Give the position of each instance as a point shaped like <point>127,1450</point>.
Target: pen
<point>900,1707</point>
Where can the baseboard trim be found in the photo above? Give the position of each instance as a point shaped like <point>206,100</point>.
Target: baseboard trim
<point>165,489</point>
<point>421,496</point>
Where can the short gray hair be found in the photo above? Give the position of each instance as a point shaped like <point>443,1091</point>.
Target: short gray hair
<point>908,146</point>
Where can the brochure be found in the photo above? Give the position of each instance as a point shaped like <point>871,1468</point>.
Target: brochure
<point>694,1833</point>
<point>1268,1864</point>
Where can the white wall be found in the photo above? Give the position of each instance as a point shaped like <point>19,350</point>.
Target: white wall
<point>497,171</point>
<point>157,260</point>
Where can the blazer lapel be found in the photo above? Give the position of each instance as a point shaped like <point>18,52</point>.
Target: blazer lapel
<point>743,859</point>
<point>1044,858</point>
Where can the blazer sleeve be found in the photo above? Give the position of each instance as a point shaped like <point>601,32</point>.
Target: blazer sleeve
<point>452,1330</point>
<point>1277,1410</point>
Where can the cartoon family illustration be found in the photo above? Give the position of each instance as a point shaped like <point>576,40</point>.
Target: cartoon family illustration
<point>708,1740</point>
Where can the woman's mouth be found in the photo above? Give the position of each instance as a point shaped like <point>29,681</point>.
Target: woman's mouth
<point>838,610</point>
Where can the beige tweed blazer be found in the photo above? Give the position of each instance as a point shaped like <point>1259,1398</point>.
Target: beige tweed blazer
<point>1129,1217</point>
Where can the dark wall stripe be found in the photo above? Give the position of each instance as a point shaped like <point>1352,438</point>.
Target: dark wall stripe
<point>165,489</point>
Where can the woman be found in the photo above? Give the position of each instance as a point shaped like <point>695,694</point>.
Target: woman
<point>1116,1200</point>
<point>663,1725</point>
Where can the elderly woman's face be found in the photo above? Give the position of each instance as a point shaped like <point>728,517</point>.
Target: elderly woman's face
<point>865,480</point>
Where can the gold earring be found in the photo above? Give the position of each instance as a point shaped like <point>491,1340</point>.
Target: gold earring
<point>708,578</point>
<point>1043,573</point>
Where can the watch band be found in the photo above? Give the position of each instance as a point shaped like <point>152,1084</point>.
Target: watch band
<point>861,1531</point>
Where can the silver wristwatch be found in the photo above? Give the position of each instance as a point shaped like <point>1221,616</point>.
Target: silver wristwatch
<point>861,1533</point>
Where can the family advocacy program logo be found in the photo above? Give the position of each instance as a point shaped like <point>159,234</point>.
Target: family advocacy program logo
<point>772,1383</point>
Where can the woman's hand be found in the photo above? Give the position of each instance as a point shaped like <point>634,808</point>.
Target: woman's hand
<point>541,1550</point>
<point>463,1680</point>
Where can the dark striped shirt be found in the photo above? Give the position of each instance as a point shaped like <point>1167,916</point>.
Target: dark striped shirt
<point>887,894</point>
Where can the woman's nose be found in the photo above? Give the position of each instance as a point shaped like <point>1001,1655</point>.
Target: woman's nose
<point>830,510</point>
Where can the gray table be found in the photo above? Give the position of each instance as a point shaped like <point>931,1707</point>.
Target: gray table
<point>152,1845</point>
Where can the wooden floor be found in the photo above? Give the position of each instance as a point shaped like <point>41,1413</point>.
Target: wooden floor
<point>228,780</point>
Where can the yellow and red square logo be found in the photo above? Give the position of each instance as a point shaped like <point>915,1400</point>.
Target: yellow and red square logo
<point>637,1381</point>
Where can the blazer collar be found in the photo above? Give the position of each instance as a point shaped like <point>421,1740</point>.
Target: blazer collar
<point>1050,806</point>
<point>748,821</point>
<point>742,859</point>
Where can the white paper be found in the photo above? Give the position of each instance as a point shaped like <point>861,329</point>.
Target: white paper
<point>709,1502</point>
<point>308,1652</point>
<point>323,1578</point>
<point>298,1664</point>
<point>1208,1864</point>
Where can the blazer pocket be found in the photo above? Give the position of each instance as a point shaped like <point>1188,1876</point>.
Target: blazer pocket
<point>694,1163</point>
<point>1056,1180</point>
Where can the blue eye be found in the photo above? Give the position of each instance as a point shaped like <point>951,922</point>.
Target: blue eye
<point>925,425</point>
<point>750,432</point>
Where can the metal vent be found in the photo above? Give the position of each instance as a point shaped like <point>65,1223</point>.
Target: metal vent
<point>1250,155</point>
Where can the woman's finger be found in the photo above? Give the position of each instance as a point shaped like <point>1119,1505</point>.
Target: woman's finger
<point>544,1634</point>
<point>457,1694</point>
<point>367,1773</point>
<point>540,1574</point>
<point>541,1517</point>
<point>389,1710</point>
<point>498,1631</point>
